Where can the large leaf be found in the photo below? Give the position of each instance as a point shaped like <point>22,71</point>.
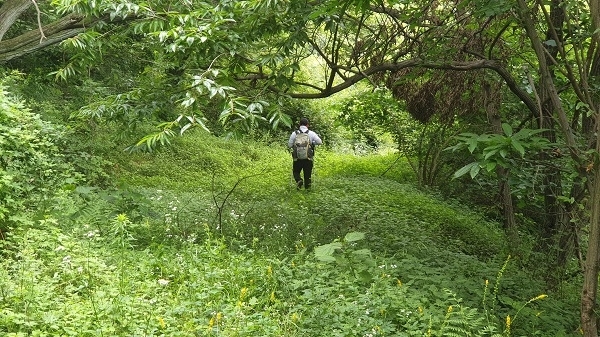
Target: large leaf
<point>518,146</point>
<point>508,131</point>
<point>325,252</point>
<point>354,236</point>
<point>474,171</point>
<point>463,170</point>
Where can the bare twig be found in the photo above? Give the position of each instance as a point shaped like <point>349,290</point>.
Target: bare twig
<point>220,204</point>
<point>39,20</point>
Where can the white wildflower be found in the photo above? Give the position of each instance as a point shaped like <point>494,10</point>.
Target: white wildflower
<point>66,260</point>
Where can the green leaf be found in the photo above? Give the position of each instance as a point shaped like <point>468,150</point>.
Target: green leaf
<point>474,170</point>
<point>490,153</point>
<point>85,190</point>
<point>463,170</point>
<point>341,261</point>
<point>354,236</point>
<point>364,276</point>
<point>327,249</point>
<point>507,129</point>
<point>185,127</point>
<point>518,146</point>
<point>472,144</point>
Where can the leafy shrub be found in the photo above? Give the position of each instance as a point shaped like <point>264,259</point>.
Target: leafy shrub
<point>32,166</point>
<point>368,115</point>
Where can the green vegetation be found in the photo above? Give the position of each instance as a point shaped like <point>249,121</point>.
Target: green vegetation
<point>209,237</point>
<point>145,187</point>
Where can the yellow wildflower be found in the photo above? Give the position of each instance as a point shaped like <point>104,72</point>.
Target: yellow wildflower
<point>122,217</point>
<point>243,293</point>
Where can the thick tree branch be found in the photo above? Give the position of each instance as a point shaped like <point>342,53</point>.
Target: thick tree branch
<point>6,55</point>
<point>10,11</point>
<point>55,32</point>
<point>416,62</point>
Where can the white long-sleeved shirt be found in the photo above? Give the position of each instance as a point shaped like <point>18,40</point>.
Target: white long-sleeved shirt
<point>314,138</point>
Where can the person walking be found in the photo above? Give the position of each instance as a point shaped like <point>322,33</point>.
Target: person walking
<point>302,142</point>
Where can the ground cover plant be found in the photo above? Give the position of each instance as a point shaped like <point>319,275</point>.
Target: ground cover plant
<point>209,238</point>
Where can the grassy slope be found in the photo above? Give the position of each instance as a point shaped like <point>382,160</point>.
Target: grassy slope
<point>436,245</point>
<point>170,267</point>
<point>350,193</point>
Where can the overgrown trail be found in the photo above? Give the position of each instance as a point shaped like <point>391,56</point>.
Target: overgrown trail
<point>207,239</point>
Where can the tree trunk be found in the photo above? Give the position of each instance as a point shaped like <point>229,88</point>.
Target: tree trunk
<point>508,212</point>
<point>590,278</point>
<point>557,229</point>
<point>592,259</point>
<point>552,178</point>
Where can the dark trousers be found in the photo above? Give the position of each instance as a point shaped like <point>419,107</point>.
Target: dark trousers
<point>305,166</point>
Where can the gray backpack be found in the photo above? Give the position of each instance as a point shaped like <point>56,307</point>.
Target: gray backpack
<point>302,148</point>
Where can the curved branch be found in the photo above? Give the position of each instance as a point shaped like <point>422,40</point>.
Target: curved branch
<point>495,66</point>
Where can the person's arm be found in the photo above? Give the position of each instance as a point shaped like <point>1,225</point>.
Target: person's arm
<point>291,140</point>
<point>315,139</point>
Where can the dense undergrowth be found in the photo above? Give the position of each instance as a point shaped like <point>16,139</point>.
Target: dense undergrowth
<point>208,237</point>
